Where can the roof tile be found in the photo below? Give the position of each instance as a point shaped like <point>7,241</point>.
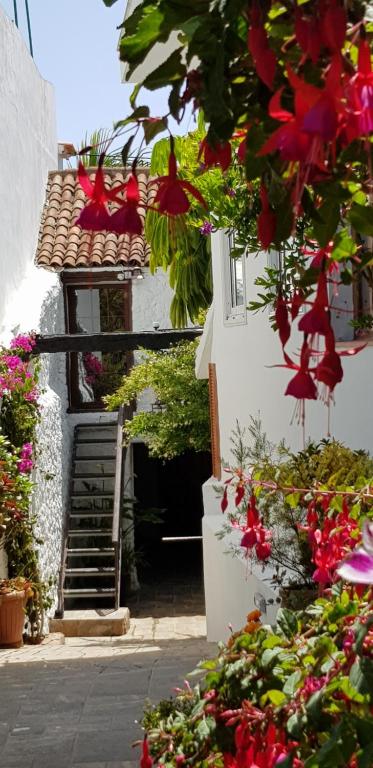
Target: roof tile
<point>62,244</point>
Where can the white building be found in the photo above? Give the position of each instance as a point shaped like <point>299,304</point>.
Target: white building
<point>77,281</point>
<point>243,348</point>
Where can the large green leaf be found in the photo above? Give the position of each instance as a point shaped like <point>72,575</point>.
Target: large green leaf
<point>361,218</point>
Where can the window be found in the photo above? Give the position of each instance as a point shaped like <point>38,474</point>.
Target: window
<point>234,284</point>
<point>95,306</point>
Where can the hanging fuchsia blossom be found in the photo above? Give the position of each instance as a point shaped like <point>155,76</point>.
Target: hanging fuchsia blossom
<point>358,566</point>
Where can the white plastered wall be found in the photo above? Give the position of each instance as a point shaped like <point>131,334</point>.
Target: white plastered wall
<point>31,298</point>
<point>248,386</point>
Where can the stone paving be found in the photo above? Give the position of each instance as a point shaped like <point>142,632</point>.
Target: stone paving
<point>77,705</point>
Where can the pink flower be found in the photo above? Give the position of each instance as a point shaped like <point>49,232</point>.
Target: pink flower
<point>12,361</point>
<point>26,343</point>
<point>358,566</point>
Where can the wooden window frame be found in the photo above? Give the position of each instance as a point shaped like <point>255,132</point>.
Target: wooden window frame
<point>214,422</point>
<point>234,314</point>
<point>85,281</point>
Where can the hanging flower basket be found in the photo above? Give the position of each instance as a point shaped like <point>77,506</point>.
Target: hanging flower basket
<point>13,596</point>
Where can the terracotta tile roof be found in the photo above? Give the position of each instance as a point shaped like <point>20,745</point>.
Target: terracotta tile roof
<point>64,245</point>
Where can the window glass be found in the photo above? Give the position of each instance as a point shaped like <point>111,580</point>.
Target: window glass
<point>92,309</point>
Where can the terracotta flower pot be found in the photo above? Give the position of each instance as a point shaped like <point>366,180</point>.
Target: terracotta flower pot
<point>12,619</point>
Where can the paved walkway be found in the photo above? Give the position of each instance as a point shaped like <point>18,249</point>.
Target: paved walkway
<point>78,705</point>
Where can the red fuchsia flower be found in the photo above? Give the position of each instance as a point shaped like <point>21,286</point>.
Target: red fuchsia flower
<point>290,140</point>
<point>254,533</point>
<point>302,386</point>
<point>307,33</point>
<point>359,93</point>
<point>296,303</point>
<point>358,566</point>
<point>282,319</point>
<point>329,371</point>
<point>326,26</point>
<point>266,221</point>
<point>127,220</point>
<point>219,153</point>
<point>171,197</point>
<point>94,216</point>
<point>260,749</point>
<point>224,501</point>
<point>317,319</point>
<point>264,58</point>
<point>146,761</point>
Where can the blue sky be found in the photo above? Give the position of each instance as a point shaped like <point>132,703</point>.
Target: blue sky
<point>75,45</point>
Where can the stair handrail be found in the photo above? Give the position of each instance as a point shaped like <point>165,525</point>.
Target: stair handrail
<point>116,534</point>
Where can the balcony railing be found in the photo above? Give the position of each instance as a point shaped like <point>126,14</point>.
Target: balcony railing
<point>19,12</point>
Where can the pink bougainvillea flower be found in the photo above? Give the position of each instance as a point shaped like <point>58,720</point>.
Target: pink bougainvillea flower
<point>266,221</point>
<point>94,216</point>
<point>171,195</point>
<point>358,566</point>
<point>146,761</point>
<point>263,56</point>
<point>215,154</point>
<point>127,218</point>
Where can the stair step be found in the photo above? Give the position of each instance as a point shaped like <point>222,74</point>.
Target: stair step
<point>94,592</point>
<point>92,476</point>
<point>92,495</point>
<point>90,532</point>
<point>94,425</point>
<point>94,440</point>
<point>74,513</point>
<point>90,571</point>
<point>88,551</point>
<point>95,458</point>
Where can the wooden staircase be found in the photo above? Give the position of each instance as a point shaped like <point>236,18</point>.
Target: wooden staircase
<point>90,573</point>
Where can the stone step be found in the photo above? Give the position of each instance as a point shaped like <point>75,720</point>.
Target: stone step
<point>92,495</point>
<point>92,476</point>
<point>89,572</point>
<point>93,592</point>
<point>93,440</point>
<point>94,513</point>
<point>88,551</point>
<point>92,623</point>
<point>78,532</point>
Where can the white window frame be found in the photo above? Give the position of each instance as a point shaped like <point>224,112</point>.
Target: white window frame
<point>234,314</point>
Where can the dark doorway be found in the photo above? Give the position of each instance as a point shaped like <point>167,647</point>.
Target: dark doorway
<point>170,571</point>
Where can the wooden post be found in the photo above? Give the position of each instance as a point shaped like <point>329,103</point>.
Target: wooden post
<point>214,422</point>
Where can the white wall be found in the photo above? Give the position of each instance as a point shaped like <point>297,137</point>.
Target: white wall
<point>28,149</point>
<point>31,298</point>
<point>248,385</point>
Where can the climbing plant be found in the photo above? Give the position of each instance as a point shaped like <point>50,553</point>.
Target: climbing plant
<point>179,419</point>
<point>19,416</point>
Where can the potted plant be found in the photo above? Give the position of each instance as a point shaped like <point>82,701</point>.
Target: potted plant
<point>13,597</point>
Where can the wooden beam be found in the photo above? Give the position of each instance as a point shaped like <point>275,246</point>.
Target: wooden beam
<point>113,342</point>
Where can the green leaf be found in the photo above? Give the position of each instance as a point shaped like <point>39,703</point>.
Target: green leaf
<point>109,3</point>
<point>272,641</point>
<point>344,246</point>
<point>287,622</point>
<point>171,70</point>
<point>361,675</point>
<point>269,656</point>
<point>153,127</point>
<point>329,217</point>
<point>291,683</point>
<point>361,218</point>
<point>365,759</point>
<point>295,725</point>
<point>276,697</point>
